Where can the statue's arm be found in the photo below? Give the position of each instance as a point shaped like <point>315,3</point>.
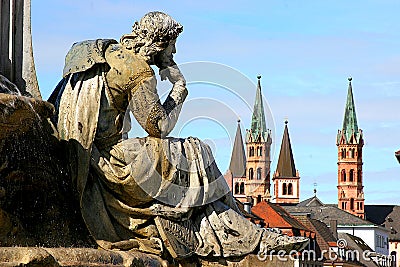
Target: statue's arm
<point>157,119</point>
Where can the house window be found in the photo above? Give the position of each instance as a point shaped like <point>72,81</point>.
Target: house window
<point>284,189</point>
<point>258,198</point>
<point>351,175</point>
<point>343,176</point>
<point>290,189</point>
<point>258,173</point>
<point>251,174</point>
<point>241,190</point>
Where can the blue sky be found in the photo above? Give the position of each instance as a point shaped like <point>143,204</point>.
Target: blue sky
<point>304,50</point>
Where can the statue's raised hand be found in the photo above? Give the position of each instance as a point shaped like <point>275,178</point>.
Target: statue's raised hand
<point>173,74</point>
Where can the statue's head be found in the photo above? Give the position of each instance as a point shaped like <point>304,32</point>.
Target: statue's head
<point>152,33</point>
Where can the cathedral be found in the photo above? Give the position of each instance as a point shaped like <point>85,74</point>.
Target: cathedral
<point>249,173</point>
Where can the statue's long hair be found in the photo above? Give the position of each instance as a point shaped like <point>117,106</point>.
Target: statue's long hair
<point>153,32</point>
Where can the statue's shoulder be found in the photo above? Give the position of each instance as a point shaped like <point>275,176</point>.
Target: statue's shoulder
<point>84,55</point>
<point>126,67</point>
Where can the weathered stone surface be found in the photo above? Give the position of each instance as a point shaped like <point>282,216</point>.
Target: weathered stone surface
<point>75,257</point>
<point>26,256</point>
<point>37,203</point>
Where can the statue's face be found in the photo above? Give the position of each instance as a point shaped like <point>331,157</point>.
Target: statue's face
<point>170,50</point>
<point>165,57</point>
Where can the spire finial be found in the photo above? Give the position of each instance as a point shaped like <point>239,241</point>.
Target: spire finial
<point>238,120</point>
<point>259,76</point>
<point>315,188</point>
<point>350,79</point>
<point>286,120</point>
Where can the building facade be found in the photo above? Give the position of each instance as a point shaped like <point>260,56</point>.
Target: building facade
<point>350,144</point>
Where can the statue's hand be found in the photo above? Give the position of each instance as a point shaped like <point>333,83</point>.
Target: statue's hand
<point>173,74</point>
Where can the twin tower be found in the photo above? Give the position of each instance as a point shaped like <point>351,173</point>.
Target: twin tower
<point>249,177</point>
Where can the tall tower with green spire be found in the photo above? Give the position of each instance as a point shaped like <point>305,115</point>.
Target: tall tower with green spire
<point>258,147</point>
<point>350,143</point>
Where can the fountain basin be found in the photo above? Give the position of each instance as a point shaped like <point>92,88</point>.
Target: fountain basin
<point>19,113</point>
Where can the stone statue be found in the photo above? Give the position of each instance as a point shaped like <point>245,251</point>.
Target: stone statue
<point>154,192</point>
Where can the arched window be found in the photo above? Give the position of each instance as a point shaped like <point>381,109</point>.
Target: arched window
<point>258,198</point>
<point>343,153</point>
<point>393,257</point>
<point>237,188</point>
<point>351,203</point>
<point>343,176</point>
<point>351,153</point>
<point>251,174</point>
<point>241,191</point>
<point>343,206</point>
<point>351,175</point>
<point>259,151</point>
<point>359,176</point>
<point>284,189</point>
<point>258,173</point>
<point>251,152</point>
<point>290,189</point>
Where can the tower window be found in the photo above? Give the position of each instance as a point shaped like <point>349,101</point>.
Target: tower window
<point>359,176</point>
<point>236,188</point>
<point>259,151</point>
<point>251,174</point>
<point>352,151</point>
<point>343,153</point>
<point>351,203</point>
<point>251,152</point>
<point>241,190</point>
<point>258,173</point>
<point>343,176</point>
<point>343,207</point>
<point>284,189</point>
<point>258,198</point>
<point>290,189</point>
<point>351,175</point>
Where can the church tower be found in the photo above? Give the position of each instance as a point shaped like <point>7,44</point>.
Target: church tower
<point>236,174</point>
<point>286,178</point>
<point>258,147</point>
<point>350,143</point>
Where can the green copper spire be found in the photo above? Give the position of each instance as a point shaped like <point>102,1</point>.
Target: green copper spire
<point>350,119</point>
<point>258,125</point>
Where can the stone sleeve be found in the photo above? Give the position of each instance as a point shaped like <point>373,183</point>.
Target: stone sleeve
<point>157,119</point>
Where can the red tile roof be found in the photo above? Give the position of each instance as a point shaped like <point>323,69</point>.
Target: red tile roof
<point>275,216</point>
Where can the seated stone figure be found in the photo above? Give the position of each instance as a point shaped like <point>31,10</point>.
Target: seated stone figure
<point>154,192</point>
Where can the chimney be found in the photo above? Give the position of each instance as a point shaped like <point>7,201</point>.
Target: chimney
<point>248,204</point>
<point>333,228</point>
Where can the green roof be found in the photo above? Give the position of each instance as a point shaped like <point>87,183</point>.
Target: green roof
<point>258,124</point>
<point>350,119</point>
